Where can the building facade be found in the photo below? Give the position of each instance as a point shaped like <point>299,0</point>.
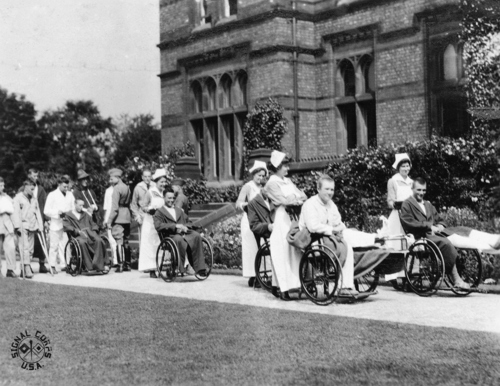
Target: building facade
<point>349,73</point>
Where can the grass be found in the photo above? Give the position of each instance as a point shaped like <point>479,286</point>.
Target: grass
<point>115,337</point>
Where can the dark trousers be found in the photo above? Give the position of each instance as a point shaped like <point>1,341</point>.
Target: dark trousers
<point>93,251</point>
<point>191,245</point>
<point>447,250</point>
<point>121,234</point>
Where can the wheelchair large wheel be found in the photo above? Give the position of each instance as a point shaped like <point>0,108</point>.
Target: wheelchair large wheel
<point>263,267</point>
<point>470,269</point>
<point>320,275</point>
<point>108,258</point>
<point>367,283</point>
<point>424,268</point>
<point>208,254</point>
<point>73,257</point>
<point>167,260</point>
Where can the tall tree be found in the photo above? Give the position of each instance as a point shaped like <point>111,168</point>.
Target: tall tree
<point>22,143</point>
<point>80,135</point>
<point>139,136</point>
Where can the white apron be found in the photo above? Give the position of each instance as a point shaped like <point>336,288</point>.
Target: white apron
<point>285,258</point>
<point>403,191</point>
<point>249,245</point>
<point>149,237</point>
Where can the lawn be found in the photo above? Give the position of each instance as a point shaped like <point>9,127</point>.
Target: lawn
<point>114,337</point>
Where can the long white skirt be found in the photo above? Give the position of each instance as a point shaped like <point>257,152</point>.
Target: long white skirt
<point>285,258</point>
<point>249,248</point>
<point>149,244</point>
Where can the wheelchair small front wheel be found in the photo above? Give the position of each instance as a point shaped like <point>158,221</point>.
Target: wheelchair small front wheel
<point>469,268</point>
<point>367,283</point>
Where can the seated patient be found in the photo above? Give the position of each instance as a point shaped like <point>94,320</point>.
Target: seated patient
<point>320,215</point>
<point>420,218</point>
<point>173,223</point>
<point>79,224</point>
<point>261,215</point>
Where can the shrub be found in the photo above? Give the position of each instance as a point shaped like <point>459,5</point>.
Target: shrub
<point>459,173</point>
<point>225,237</point>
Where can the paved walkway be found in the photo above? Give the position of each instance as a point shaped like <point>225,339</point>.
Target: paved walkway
<point>478,311</point>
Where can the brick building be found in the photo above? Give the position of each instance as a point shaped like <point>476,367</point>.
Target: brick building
<point>348,73</point>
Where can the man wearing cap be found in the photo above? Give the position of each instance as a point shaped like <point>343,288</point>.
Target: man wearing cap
<point>140,199</point>
<point>119,218</point>
<point>87,195</point>
<point>59,201</point>
<point>181,201</point>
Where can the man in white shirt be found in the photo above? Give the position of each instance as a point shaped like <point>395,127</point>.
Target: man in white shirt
<point>59,201</point>
<point>320,215</point>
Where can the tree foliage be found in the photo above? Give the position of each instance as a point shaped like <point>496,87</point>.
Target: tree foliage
<point>139,136</point>
<point>264,128</point>
<point>78,131</point>
<point>22,143</point>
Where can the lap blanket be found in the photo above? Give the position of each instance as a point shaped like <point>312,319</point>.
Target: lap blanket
<point>384,261</point>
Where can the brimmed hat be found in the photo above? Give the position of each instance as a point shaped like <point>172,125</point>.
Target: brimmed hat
<point>115,173</point>
<point>258,165</point>
<point>399,158</point>
<point>277,158</point>
<point>80,174</point>
<point>159,173</point>
<point>178,181</point>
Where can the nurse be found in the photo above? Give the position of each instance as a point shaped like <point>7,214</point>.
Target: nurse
<point>248,242</point>
<point>283,192</point>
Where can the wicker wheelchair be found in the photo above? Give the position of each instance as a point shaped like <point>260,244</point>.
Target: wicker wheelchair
<point>168,257</point>
<point>74,259</point>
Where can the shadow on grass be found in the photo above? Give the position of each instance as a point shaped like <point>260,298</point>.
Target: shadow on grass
<point>116,337</point>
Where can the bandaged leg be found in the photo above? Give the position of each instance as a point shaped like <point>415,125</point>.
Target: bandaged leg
<point>491,239</point>
<point>469,242</point>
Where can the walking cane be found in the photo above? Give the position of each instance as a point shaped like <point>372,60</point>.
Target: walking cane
<point>21,250</point>
<point>43,243</point>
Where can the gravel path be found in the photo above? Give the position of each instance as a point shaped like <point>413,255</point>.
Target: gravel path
<point>478,311</point>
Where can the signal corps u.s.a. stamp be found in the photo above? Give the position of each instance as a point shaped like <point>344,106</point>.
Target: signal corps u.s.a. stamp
<point>32,349</point>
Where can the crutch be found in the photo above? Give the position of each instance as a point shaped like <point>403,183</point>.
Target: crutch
<point>43,243</point>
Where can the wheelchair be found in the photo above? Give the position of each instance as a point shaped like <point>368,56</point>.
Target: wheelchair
<point>425,269</point>
<point>74,259</point>
<point>168,257</point>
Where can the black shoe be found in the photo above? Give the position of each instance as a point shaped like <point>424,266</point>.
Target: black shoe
<point>285,296</point>
<point>43,269</point>
<point>202,273</point>
<point>64,269</point>
<point>127,268</point>
<point>152,275</point>
<point>251,282</point>
<point>10,273</point>
<point>119,269</point>
<point>257,284</point>
<point>275,291</point>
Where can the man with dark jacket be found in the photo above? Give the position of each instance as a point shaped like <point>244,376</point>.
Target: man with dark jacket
<point>173,222</point>
<point>83,192</point>
<point>420,218</point>
<point>261,216</point>
<point>119,218</point>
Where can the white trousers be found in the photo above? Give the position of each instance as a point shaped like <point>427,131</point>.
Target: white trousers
<point>249,248</point>
<point>58,240</point>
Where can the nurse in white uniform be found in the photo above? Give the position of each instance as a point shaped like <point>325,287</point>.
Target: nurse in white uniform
<point>249,245</point>
<point>283,192</point>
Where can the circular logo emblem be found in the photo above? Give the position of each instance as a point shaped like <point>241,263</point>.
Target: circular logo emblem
<point>32,349</point>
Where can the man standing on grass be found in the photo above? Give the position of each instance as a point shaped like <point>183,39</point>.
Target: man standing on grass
<point>9,225</point>
<point>26,210</point>
<point>41,196</point>
<point>119,219</point>
<point>59,201</point>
